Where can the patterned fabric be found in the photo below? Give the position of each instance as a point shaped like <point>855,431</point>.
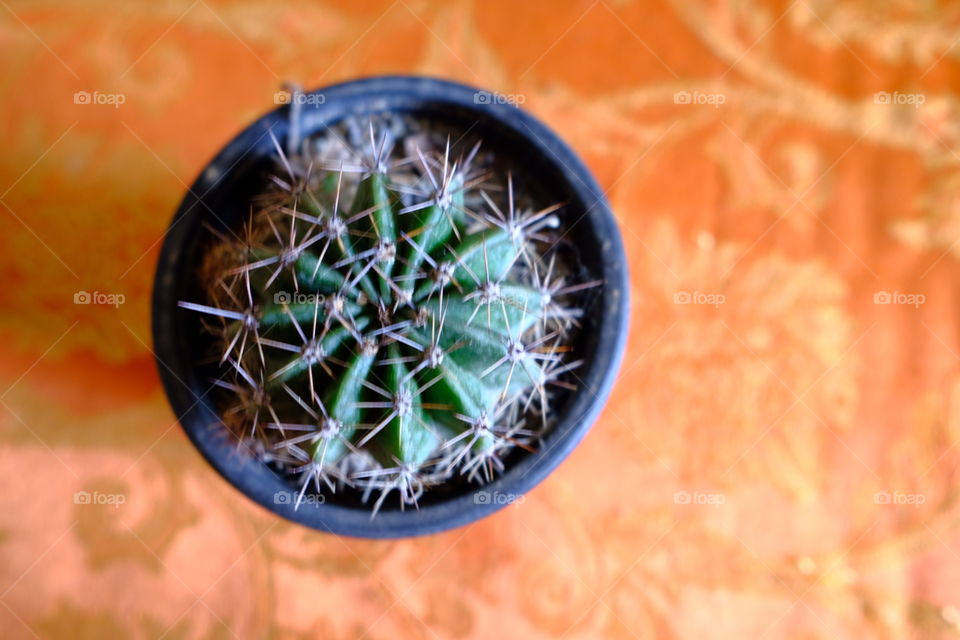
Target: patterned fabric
<point>779,456</point>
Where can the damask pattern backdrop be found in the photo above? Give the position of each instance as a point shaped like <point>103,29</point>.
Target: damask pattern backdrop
<point>779,457</point>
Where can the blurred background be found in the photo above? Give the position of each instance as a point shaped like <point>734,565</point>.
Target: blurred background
<point>778,459</point>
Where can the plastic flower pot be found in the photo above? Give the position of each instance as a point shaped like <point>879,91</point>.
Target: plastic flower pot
<point>220,199</point>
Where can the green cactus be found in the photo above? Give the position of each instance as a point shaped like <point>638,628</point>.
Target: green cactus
<point>389,322</point>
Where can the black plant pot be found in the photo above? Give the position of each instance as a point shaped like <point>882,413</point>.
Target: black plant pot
<point>220,198</point>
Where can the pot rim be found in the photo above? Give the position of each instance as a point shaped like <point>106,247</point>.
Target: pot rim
<point>199,418</point>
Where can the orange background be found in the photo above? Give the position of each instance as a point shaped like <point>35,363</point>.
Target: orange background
<point>811,430</point>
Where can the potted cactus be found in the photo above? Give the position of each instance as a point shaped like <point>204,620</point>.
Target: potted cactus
<point>390,307</point>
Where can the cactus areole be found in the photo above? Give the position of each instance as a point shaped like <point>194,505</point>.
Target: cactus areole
<point>390,307</point>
